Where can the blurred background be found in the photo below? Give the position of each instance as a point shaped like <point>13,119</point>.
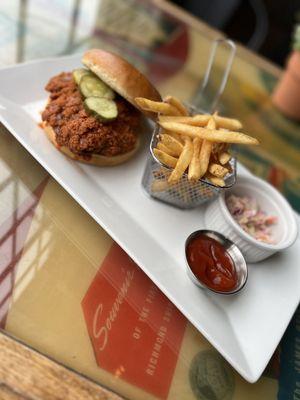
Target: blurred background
<point>265,26</point>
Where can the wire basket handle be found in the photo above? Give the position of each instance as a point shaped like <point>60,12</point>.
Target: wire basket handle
<point>227,70</point>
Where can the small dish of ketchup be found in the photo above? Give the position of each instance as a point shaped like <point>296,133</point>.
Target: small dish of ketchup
<point>215,263</point>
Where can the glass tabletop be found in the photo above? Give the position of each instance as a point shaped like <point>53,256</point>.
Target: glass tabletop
<point>58,266</point>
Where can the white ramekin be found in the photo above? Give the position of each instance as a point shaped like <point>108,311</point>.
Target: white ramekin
<point>218,217</point>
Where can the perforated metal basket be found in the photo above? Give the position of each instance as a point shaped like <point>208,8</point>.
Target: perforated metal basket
<point>183,194</point>
<point>187,194</point>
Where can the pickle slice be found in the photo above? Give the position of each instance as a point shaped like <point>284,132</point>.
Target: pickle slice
<point>104,109</point>
<point>79,73</point>
<point>91,86</point>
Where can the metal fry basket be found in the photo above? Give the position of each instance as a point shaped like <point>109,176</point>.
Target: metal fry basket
<point>186,194</point>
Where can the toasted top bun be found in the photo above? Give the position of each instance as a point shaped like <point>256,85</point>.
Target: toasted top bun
<point>121,76</point>
<point>95,159</point>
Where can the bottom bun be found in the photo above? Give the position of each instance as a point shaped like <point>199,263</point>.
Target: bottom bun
<point>95,159</point>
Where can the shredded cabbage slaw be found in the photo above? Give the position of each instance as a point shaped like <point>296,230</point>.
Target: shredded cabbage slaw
<point>247,213</point>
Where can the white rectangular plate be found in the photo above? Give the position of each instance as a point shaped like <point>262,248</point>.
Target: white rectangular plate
<point>245,328</point>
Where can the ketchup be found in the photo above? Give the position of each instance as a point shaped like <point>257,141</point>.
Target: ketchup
<point>211,263</point>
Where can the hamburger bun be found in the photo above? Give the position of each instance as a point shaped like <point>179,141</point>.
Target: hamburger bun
<point>95,159</point>
<point>121,76</point>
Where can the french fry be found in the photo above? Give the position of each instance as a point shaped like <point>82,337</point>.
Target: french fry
<point>156,106</point>
<point>202,120</point>
<point>172,143</point>
<point>231,124</point>
<point>163,131</point>
<point>212,135</point>
<point>197,120</point>
<point>165,158</point>
<point>215,180</point>
<point>160,185</point>
<point>177,104</point>
<point>224,157</point>
<point>218,170</point>
<point>205,153</point>
<point>206,149</point>
<point>183,161</point>
<point>194,167</point>
<point>166,149</point>
<point>175,135</point>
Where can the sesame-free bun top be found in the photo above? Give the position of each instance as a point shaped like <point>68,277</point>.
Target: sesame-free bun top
<point>121,76</point>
